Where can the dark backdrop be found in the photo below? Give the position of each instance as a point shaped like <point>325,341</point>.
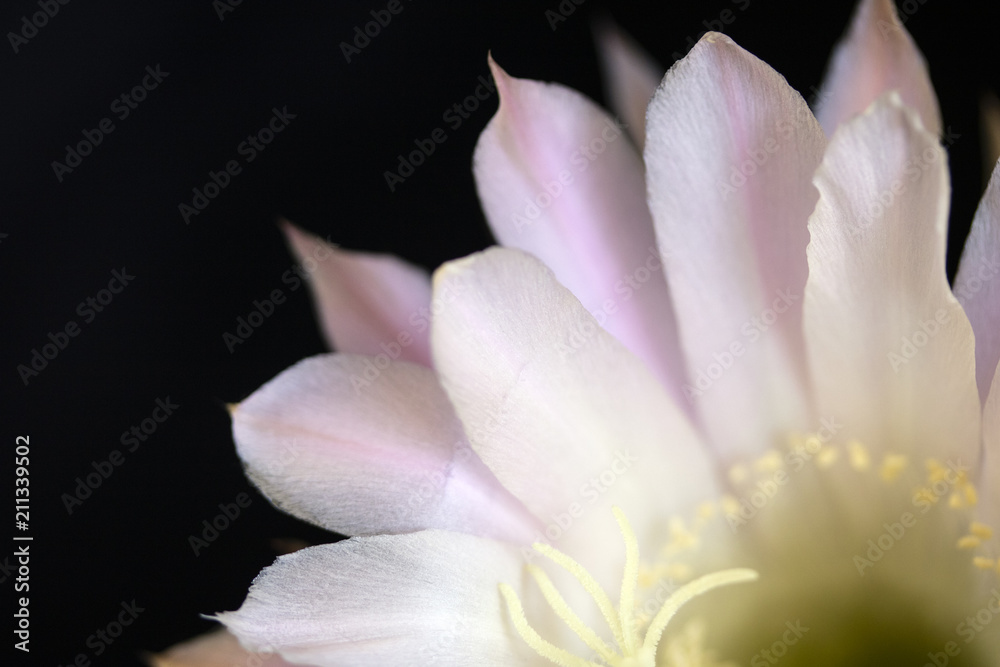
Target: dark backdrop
<point>161,336</point>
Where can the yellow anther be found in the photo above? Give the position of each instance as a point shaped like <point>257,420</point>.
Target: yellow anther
<point>730,505</point>
<point>738,474</point>
<point>680,537</point>
<point>981,530</point>
<point>827,456</point>
<point>770,462</point>
<point>984,563</point>
<point>926,495</point>
<point>858,455</point>
<point>969,542</point>
<point>935,471</point>
<point>971,497</point>
<point>635,650</point>
<point>706,510</point>
<point>892,466</point>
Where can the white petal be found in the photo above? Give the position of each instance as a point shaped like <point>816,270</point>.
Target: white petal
<point>630,77</point>
<point>367,304</point>
<point>427,598</point>
<point>561,413</point>
<point>558,179</point>
<point>890,347</point>
<point>360,448</point>
<point>977,286</point>
<point>876,56</point>
<point>730,150</point>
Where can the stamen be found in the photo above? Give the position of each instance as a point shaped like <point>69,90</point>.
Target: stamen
<point>626,602</point>
<point>562,609</point>
<point>688,592</point>
<point>589,584</point>
<point>531,638</point>
<point>636,652</point>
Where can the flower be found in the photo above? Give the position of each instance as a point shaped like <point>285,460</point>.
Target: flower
<point>797,403</point>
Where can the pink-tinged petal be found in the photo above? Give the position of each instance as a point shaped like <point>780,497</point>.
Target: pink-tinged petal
<point>359,447</point>
<point>977,284</point>
<point>730,151</point>
<point>558,179</point>
<point>989,508</point>
<point>630,78</point>
<point>214,649</point>
<point>891,349</point>
<point>990,113</point>
<point>367,304</point>
<point>567,418</point>
<point>877,55</point>
<point>427,598</point>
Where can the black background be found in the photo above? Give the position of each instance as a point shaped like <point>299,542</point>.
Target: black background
<point>162,336</point>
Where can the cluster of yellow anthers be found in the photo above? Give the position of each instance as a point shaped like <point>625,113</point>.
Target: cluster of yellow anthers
<point>633,650</point>
<point>962,494</point>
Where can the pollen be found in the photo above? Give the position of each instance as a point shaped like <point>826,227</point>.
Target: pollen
<point>892,466</point>
<point>827,456</point>
<point>770,462</point>
<point>981,530</point>
<point>858,456</point>
<point>632,650</point>
<point>969,542</point>
<point>984,563</point>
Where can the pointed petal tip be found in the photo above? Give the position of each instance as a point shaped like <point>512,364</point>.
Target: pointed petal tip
<point>502,79</point>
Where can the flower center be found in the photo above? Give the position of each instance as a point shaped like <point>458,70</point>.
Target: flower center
<point>870,560</point>
<point>632,650</point>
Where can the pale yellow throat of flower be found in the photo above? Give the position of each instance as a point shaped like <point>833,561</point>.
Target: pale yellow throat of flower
<point>633,650</point>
